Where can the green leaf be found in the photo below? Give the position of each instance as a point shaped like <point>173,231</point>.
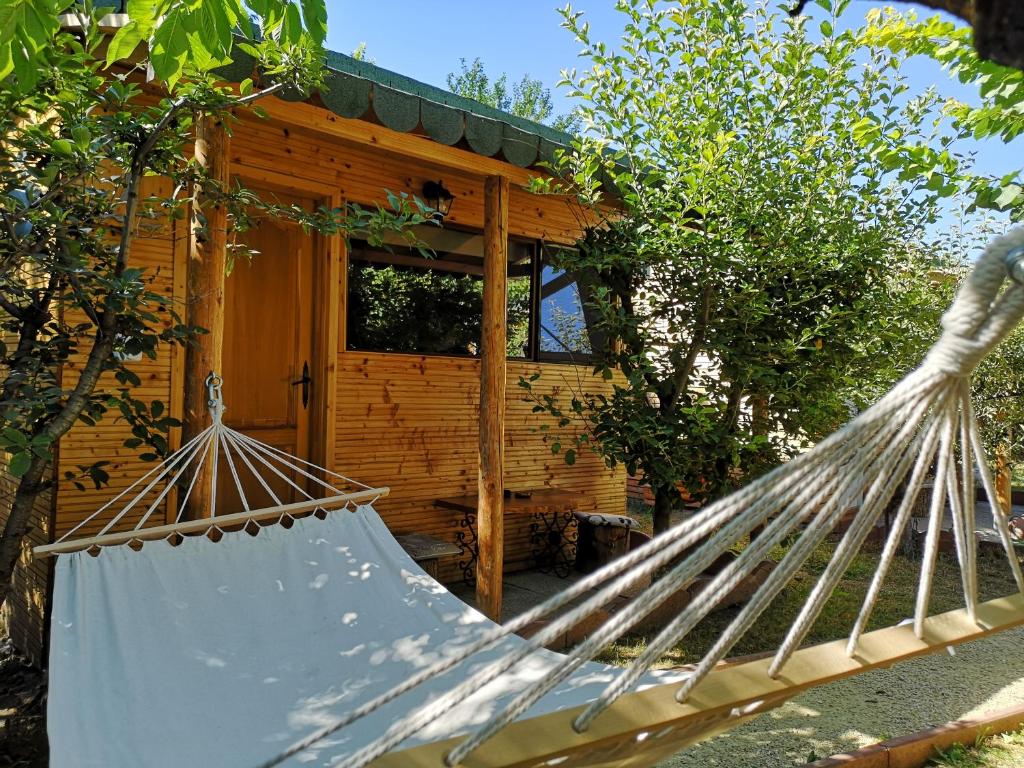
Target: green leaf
<point>124,42</point>
<point>62,146</point>
<point>6,63</point>
<point>1008,195</point>
<point>169,50</point>
<point>143,14</point>
<point>314,14</point>
<point>13,438</point>
<point>19,463</point>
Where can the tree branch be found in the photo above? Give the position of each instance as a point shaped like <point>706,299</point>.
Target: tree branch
<point>696,343</point>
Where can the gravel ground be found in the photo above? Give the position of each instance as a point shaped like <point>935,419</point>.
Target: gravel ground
<point>983,676</point>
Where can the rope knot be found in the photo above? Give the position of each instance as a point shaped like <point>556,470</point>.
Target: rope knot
<point>983,312</point>
<point>956,355</point>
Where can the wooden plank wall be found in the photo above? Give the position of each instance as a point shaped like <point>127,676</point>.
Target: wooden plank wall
<point>156,249</point>
<point>405,421</point>
<point>23,617</point>
<point>410,422</point>
<point>267,150</point>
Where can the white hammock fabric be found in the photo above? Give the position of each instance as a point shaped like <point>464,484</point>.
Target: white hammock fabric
<point>223,654</point>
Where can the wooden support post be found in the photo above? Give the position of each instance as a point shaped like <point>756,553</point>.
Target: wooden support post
<point>207,266</point>
<point>1004,479</point>
<point>493,358</point>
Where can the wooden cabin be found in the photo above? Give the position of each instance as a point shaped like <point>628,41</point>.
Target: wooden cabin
<point>368,360</point>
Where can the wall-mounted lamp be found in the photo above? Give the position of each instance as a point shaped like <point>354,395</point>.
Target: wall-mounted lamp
<point>438,197</point>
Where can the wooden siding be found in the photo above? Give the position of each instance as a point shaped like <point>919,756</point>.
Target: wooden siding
<point>406,421</point>
<point>160,252</point>
<point>264,150</point>
<point>23,617</point>
<point>410,422</point>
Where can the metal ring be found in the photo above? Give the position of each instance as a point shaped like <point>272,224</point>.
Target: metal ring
<point>1015,264</point>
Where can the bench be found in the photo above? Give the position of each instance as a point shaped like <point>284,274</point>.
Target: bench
<point>602,538</point>
<point>427,550</point>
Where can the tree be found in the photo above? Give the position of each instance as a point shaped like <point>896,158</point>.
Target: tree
<point>1001,113</point>
<point>528,97</point>
<point>998,26</point>
<point>766,267</point>
<point>81,144</point>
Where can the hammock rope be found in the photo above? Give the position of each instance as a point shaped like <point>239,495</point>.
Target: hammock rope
<point>245,457</point>
<point>926,420</point>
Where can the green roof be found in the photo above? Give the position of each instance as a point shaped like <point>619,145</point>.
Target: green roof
<point>360,90</point>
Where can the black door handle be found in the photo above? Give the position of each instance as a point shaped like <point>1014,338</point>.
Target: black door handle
<point>305,381</point>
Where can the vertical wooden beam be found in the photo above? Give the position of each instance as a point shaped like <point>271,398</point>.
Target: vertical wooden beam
<point>327,269</point>
<point>493,360</point>
<point>1004,479</point>
<point>180,247</point>
<point>207,266</point>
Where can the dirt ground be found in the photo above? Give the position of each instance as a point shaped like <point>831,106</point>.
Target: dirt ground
<point>22,713</point>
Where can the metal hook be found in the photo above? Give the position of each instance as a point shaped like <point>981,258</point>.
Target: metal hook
<point>1015,264</point>
<point>214,396</point>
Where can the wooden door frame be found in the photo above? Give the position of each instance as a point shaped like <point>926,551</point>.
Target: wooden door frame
<point>326,264</point>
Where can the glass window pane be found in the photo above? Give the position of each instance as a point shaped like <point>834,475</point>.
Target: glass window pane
<point>520,298</point>
<point>563,324</point>
<point>400,300</point>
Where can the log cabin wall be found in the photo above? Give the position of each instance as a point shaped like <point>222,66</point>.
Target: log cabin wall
<point>160,249</point>
<point>406,421</point>
<point>410,422</point>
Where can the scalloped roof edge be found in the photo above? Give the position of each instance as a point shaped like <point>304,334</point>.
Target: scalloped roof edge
<point>361,90</point>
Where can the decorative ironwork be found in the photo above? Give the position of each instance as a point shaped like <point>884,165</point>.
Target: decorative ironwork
<point>466,540</point>
<point>553,537</point>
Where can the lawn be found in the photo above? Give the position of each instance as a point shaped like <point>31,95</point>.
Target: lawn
<point>895,603</point>
<point>1004,751</point>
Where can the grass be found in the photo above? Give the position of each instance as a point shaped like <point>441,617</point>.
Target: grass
<point>895,604</point>
<point>1005,751</point>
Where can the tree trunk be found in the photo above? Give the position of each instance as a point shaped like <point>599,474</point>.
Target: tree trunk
<point>666,498</point>
<point>17,526</point>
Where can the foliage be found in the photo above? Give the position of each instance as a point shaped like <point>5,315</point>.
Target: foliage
<point>528,97</point>
<point>91,162</point>
<point>768,270</point>
<point>359,54</point>
<point>1001,89</point>
<point>398,309</point>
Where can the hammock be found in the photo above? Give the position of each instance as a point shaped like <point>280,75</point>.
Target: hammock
<point>925,422</point>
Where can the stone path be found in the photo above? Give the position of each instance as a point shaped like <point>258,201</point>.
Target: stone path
<point>981,677</point>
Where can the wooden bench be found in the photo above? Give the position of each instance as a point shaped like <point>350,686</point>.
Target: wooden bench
<point>427,550</point>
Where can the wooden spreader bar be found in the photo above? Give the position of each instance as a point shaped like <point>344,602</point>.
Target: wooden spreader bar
<point>206,523</point>
<point>646,727</point>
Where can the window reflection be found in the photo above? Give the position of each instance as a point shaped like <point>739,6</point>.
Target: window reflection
<point>430,300</point>
<point>563,327</point>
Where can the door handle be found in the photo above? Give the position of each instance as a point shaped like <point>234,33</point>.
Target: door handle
<point>305,381</point>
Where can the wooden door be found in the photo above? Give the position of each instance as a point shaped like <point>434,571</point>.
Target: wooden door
<point>268,348</point>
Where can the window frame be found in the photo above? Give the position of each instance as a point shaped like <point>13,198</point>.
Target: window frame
<point>533,317</point>
<point>539,355</point>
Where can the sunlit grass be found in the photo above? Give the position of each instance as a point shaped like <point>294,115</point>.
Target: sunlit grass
<point>1005,751</point>
<point>895,603</point>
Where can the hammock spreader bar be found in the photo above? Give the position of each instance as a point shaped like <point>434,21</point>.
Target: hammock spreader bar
<point>211,445</point>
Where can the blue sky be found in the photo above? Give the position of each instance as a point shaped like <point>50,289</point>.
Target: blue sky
<point>425,40</point>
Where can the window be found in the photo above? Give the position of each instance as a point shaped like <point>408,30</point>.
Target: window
<point>564,330</point>
<point>400,300</point>
<point>431,303</point>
